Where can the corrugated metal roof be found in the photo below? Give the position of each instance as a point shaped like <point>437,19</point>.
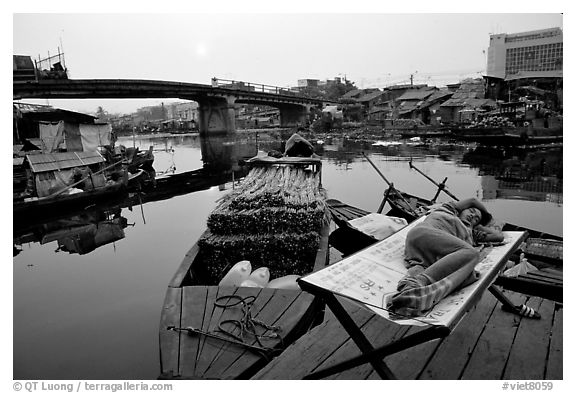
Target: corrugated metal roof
<point>408,106</point>
<point>415,95</point>
<point>48,112</point>
<point>370,96</point>
<point>406,86</point>
<point>58,161</point>
<point>439,94</point>
<point>352,94</point>
<point>470,94</point>
<point>469,102</point>
<point>436,97</point>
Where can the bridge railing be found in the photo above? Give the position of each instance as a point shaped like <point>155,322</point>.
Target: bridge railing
<point>256,87</point>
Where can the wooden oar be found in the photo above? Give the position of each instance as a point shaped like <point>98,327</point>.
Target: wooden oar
<point>441,186</point>
<point>377,170</point>
<point>390,188</point>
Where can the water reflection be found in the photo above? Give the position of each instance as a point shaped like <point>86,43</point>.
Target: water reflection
<point>223,154</point>
<point>75,234</point>
<point>115,292</point>
<point>511,173</point>
<point>505,172</point>
<point>344,150</point>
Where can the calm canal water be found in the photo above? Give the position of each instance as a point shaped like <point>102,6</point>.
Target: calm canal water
<point>96,315</point>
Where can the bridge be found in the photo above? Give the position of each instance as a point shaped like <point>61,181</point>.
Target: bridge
<point>216,102</point>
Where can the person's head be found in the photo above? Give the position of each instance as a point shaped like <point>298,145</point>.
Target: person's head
<point>475,216</point>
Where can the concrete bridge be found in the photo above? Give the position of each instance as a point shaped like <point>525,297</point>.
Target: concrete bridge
<point>216,103</point>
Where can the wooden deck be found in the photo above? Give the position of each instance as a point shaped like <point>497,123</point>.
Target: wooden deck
<point>195,356</point>
<point>488,344</point>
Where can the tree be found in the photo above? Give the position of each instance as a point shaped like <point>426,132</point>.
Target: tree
<point>336,90</point>
<point>101,114</point>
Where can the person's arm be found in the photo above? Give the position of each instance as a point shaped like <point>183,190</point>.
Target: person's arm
<point>470,202</point>
<point>484,234</point>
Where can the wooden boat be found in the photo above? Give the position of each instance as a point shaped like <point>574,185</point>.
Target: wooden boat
<point>65,181</point>
<point>52,205</point>
<point>543,250</point>
<point>193,344</point>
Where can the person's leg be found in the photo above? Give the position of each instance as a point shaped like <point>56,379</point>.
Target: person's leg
<point>417,300</point>
<point>438,252</point>
<point>463,260</point>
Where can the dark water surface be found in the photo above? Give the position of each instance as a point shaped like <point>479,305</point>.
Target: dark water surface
<point>96,315</point>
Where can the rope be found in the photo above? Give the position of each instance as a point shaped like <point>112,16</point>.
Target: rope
<point>247,323</point>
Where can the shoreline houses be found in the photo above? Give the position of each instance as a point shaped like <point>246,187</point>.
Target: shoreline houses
<point>523,81</point>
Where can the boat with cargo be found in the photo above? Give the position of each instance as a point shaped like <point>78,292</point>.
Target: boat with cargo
<point>274,227</point>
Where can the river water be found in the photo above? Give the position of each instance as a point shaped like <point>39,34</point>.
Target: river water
<point>89,308</point>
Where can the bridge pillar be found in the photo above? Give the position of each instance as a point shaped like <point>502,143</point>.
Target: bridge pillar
<point>216,115</point>
<point>292,115</point>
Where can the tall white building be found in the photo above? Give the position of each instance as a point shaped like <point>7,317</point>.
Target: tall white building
<point>532,54</point>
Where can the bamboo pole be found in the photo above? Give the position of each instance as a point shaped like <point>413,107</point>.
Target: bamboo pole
<point>377,170</point>
<point>440,186</point>
<point>390,187</point>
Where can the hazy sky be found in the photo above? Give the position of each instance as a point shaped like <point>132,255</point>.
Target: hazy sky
<point>370,49</point>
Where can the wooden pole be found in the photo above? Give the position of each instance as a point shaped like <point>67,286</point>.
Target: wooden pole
<point>377,170</point>
<point>390,186</point>
<point>440,186</point>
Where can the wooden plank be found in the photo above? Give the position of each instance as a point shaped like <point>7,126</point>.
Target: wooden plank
<point>555,278</point>
<point>209,310</point>
<point>211,346</point>
<point>170,339</point>
<point>553,272</point>
<point>184,267</point>
<point>555,363</point>
<point>532,287</point>
<point>453,353</point>
<point>408,364</point>
<point>379,332</point>
<point>490,354</point>
<point>193,303</point>
<point>527,359</point>
<point>302,357</point>
<point>268,308</point>
<point>227,354</point>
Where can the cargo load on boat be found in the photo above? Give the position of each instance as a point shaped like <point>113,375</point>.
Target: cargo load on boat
<point>273,219</point>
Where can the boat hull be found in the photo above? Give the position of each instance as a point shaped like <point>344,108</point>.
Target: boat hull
<point>49,207</point>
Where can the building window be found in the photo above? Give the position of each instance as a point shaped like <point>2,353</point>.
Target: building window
<point>534,58</point>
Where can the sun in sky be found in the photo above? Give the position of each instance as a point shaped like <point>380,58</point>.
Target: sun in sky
<point>201,49</point>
